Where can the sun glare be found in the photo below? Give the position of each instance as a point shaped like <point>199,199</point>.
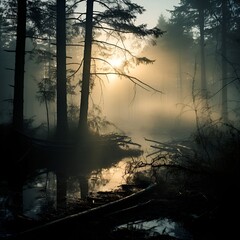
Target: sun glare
<point>116,62</point>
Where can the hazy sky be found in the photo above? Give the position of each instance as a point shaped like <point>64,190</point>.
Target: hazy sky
<point>154,8</point>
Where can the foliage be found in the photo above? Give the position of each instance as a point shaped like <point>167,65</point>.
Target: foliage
<point>207,162</point>
<point>97,122</point>
<point>46,91</point>
<point>112,28</point>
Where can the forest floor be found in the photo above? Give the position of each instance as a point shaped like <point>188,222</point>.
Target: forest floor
<point>180,215</point>
<point>197,205</point>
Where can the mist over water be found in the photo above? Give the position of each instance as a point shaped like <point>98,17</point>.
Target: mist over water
<point>137,112</point>
<point>144,113</point>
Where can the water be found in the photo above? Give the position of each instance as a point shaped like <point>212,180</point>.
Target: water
<point>110,178</point>
<point>5,215</point>
<point>39,195</point>
<point>42,191</point>
<point>161,226</point>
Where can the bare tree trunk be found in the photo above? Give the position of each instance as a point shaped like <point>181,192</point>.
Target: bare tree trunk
<point>62,125</point>
<point>86,69</point>
<point>224,62</point>
<point>18,100</point>
<point>47,112</point>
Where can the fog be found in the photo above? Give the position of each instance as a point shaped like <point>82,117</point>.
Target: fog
<point>147,86</point>
<point>93,98</point>
<point>140,113</point>
<point>147,113</point>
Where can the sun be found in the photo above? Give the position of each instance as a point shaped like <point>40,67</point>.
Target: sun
<point>116,62</point>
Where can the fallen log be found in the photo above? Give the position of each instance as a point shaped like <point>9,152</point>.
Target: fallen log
<point>81,224</point>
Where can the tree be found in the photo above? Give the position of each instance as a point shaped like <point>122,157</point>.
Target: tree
<point>27,18</point>
<point>114,14</point>
<point>19,66</point>
<point>47,30</point>
<point>196,13</point>
<point>222,17</point>
<point>62,124</point>
<point>224,61</point>
<point>116,20</point>
<point>121,23</point>
<point>178,42</point>
<point>86,68</point>
<point>201,7</point>
<point>46,94</point>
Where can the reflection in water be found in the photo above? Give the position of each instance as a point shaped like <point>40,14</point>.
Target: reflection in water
<point>39,195</point>
<point>110,178</point>
<point>5,215</point>
<point>162,226</point>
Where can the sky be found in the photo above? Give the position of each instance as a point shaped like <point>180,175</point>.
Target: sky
<point>154,8</point>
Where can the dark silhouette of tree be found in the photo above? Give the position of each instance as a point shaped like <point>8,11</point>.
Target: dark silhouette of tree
<point>201,7</point>
<point>178,39</point>
<point>222,16</point>
<point>23,20</point>
<point>46,31</point>
<point>46,94</point>
<point>224,61</point>
<point>19,66</point>
<point>40,29</point>
<point>62,125</point>
<point>195,12</point>
<point>86,69</point>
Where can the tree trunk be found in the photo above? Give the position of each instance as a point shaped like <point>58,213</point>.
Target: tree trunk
<point>19,67</point>
<point>62,125</point>
<point>202,51</point>
<point>180,75</point>
<point>49,76</point>
<point>47,112</point>
<point>86,69</point>
<point>224,62</point>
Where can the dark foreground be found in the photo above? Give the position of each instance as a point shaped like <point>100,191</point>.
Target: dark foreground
<point>99,217</point>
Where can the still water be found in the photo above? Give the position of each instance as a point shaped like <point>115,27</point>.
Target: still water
<point>161,226</point>
<point>42,190</point>
<point>40,194</point>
